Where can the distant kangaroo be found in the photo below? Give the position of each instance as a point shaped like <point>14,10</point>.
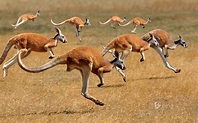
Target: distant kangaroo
<point>25,17</point>
<point>76,22</point>
<point>114,20</point>
<point>137,21</point>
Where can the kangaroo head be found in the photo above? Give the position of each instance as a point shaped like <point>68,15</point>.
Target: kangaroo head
<point>149,20</point>
<point>118,62</point>
<point>38,13</point>
<point>59,36</point>
<point>124,19</point>
<point>181,42</point>
<point>87,22</point>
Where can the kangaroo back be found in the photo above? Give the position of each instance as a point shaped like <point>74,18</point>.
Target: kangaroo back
<point>5,52</point>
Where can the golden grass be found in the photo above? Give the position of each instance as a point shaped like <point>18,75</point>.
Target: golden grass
<point>152,93</point>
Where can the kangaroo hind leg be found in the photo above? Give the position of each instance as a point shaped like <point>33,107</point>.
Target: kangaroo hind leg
<point>85,72</point>
<point>12,61</point>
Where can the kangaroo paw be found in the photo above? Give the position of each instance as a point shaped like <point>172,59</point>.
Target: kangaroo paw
<point>141,60</point>
<point>124,79</point>
<point>51,57</point>
<point>97,102</point>
<point>178,71</point>
<point>99,85</point>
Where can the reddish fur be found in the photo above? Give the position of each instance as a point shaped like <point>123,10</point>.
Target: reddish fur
<point>126,41</point>
<point>75,21</point>
<point>28,17</point>
<point>113,20</point>
<point>139,21</point>
<point>75,59</point>
<point>116,19</point>
<point>162,36</point>
<point>32,41</point>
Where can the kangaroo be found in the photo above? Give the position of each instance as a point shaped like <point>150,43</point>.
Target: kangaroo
<point>34,42</point>
<point>114,20</point>
<point>137,21</point>
<point>86,60</point>
<point>25,17</point>
<point>165,40</point>
<point>76,22</point>
<point>127,43</point>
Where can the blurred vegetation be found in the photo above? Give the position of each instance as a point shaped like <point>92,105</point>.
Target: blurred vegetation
<point>171,16</point>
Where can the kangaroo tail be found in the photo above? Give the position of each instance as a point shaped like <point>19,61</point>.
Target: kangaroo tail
<point>44,67</point>
<point>17,22</point>
<point>57,24</point>
<point>125,24</point>
<point>105,22</point>
<point>5,52</point>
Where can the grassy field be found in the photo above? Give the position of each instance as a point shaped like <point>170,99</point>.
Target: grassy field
<point>152,93</point>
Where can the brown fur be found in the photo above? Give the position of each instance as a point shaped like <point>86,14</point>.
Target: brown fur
<point>33,41</point>
<point>162,36</point>
<point>113,20</point>
<point>75,21</point>
<point>165,40</point>
<point>137,21</point>
<point>165,43</point>
<point>127,42</point>
<point>28,17</point>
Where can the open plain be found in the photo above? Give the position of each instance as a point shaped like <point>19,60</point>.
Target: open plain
<point>152,93</point>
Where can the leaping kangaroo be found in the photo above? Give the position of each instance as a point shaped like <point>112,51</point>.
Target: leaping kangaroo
<point>86,60</point>
<point>127,43</point>
<point>166,41</point>
<point>137,21</point>
<point>114,20</point>
<point>25,17</point>
<point>76,22</point>
<point>32,42</point>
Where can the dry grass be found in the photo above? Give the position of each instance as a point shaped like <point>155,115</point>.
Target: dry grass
<point>152,93</point>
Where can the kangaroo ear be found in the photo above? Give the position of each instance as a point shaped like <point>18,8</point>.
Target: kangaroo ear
<point>57,30</point>
<point>116,54</point>
<point>180,37</point>
<point>151,36</point>
<point>38,13</point>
